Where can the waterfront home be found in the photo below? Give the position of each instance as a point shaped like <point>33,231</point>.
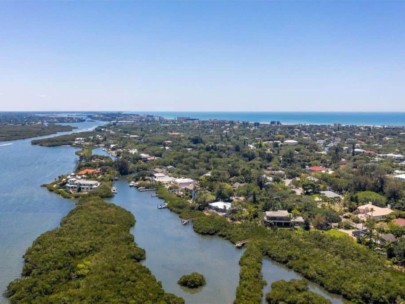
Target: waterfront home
<point>88,171</point>
<point>220,206</point>
<point>82,185</point>
<point>277,218</point>
<point>79,141</point>
<point>370,211</point>
<point>184,183</point>
<point>162,178</point>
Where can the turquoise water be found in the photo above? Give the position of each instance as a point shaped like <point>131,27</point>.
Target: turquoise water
<point>349,118</point>
<point>26,209</point>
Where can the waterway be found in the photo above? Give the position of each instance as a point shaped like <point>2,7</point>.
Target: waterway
<point>273,271</point>
<point>26,209</point>
<point>173,250</point>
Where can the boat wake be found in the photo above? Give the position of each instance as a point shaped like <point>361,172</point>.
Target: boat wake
<point>8,144</point>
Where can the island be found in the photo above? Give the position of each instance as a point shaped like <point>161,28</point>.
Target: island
<point>15,126</point>
<point>192,280</point>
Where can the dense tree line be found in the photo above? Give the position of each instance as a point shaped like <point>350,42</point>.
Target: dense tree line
<point>90,258</point>
<point>337,264</point>
<point>251,283</point>
<point>293,292</point>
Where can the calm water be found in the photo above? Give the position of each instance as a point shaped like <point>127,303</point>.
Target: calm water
<point>26,209</point>
<point>349,118</point>
<point>273,271</point>
<point>173,249</point>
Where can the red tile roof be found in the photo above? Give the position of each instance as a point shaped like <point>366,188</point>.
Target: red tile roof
<point>399,222</point>
<point>317,168</point>
<point>88,171</point>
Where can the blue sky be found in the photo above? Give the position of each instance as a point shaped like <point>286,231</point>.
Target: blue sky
<point>202,55</point>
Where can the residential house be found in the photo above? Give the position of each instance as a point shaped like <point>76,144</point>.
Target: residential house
<point>220,206</point>
<point>82,185</point>
<point>399,222</point>
<point>277,218</point>
<point>183,183</point>
<point>370,211</point>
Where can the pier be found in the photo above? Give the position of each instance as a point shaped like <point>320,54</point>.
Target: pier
<point>240,244</point>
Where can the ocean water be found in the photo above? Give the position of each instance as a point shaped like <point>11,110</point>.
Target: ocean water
<point>346,118</point>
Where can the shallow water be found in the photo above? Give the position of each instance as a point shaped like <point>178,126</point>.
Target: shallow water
<point>273,271</point>
<point>173,250</point>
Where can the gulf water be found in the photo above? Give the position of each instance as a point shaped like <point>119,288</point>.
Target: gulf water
<point>346,118</point>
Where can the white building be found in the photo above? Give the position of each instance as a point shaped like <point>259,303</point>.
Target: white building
<point>220,206</point>
<point>184,182</point>
<point>290,142</point>
<point>83,185</point>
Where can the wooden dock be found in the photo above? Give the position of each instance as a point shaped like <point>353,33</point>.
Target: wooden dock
<point>185,222</point>
<point>240,244</point>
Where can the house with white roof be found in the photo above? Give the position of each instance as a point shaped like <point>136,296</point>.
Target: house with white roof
<point>220,206</point>
<point>183,183</point>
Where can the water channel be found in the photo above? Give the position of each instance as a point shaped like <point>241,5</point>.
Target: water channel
<point>26,209</point>
<point>173,250</point>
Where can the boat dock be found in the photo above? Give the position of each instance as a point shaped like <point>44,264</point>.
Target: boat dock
<point>240,244</point>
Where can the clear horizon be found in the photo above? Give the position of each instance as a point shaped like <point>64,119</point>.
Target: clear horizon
<point>202,56</point>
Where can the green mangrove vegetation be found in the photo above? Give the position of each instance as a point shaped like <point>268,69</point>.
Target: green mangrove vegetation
<point>14,132</point>
<point>90,258</point>
<point>192,280</point>
<point>293,292</point>
<point>338,264</point>
<point>251,283</point>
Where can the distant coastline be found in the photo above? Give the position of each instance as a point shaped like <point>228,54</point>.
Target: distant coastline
<point>318,118</point>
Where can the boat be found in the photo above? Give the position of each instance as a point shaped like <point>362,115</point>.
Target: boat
<point>185,222</point>
<point>114,190</point>
<point>132,184</point>
<point>162,206</point>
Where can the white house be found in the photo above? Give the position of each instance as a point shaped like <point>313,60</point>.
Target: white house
<point>84,185</point>
<point>220,206</point>
<point>184,182</point>
<point>290,142</point>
